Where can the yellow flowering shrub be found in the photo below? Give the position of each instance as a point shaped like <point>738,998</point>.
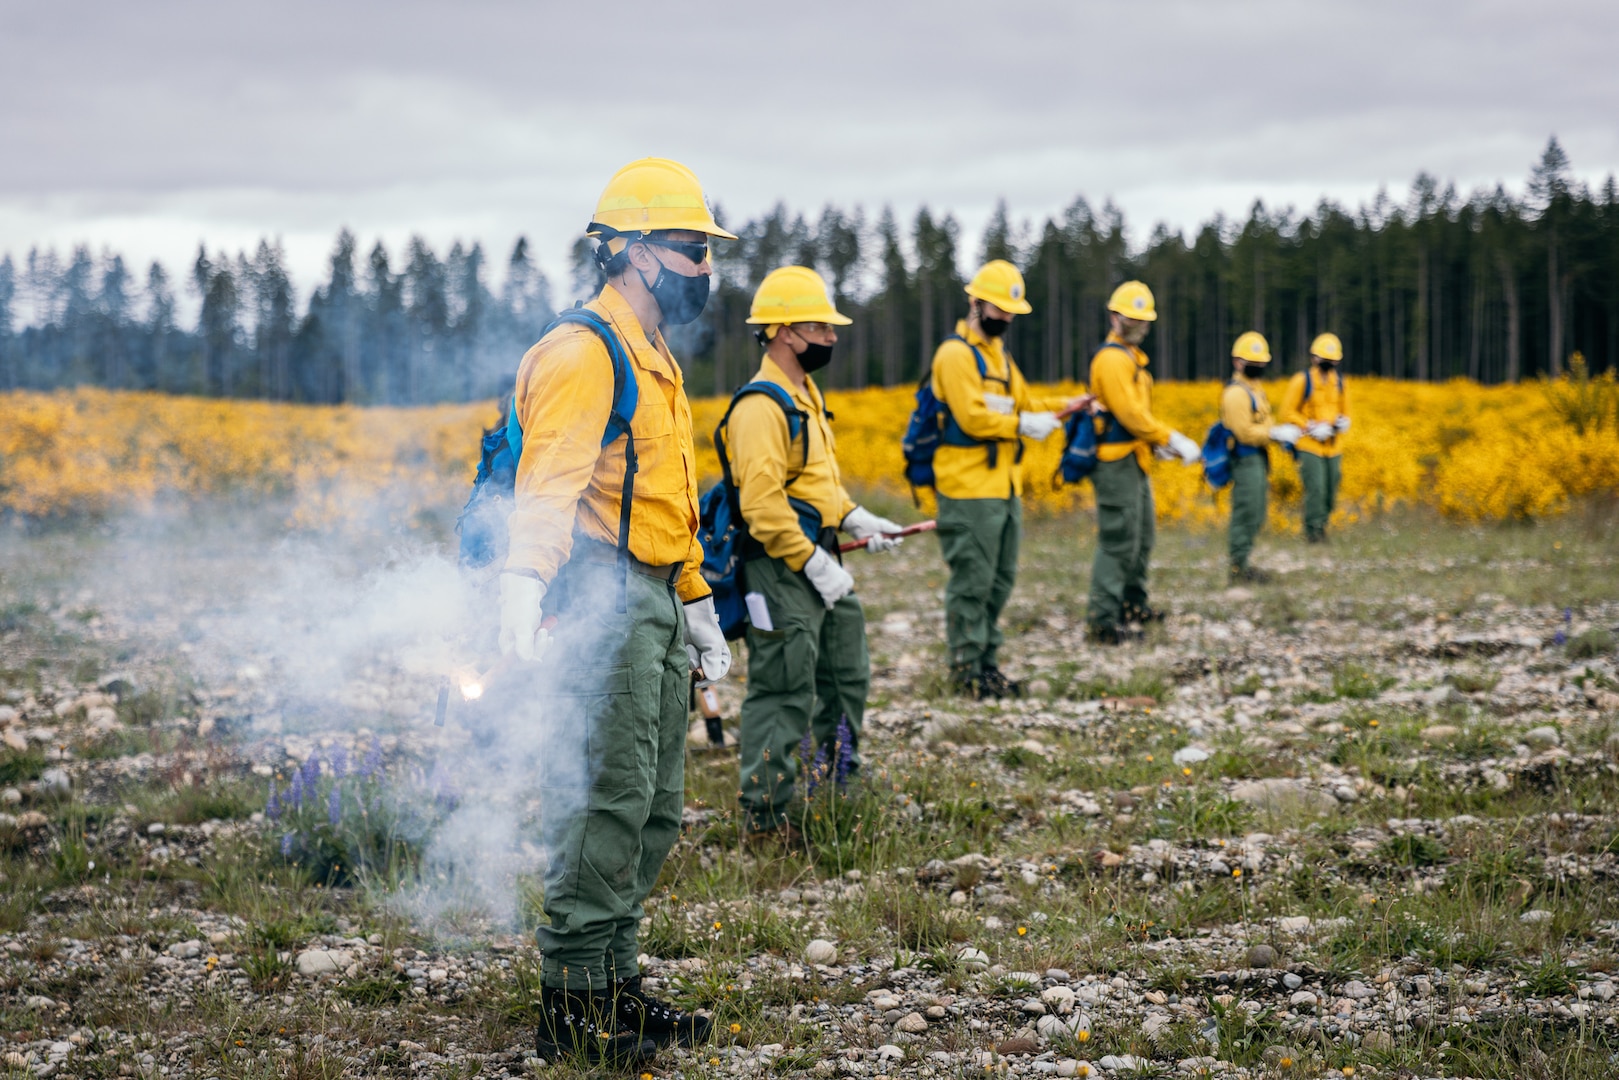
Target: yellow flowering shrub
<point>1473,453</point>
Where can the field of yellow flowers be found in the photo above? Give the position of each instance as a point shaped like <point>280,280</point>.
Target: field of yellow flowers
<point>1472,453</point>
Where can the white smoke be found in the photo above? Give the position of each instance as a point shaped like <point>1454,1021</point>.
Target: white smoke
<point>349,638</point>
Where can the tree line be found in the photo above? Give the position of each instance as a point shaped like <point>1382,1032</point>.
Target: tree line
<point>1494,286</point>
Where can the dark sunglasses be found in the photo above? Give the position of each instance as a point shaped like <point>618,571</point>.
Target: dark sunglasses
<point>695,250</point>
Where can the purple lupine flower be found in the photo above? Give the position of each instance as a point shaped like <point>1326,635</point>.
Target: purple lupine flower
<point>286,845</point>
<point>295,793</point>
<point>339,759</point>
<point>1568,615</point>
<point>311,769</point>
<point>373,762</point>
<point>843,762</point>
<point>817,771</point>
<point>272,808</point>
<point>1559,638</point>
<point>334,807</point>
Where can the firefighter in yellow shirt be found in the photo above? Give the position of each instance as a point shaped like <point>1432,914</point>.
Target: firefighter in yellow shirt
<point>1128,436</point>
<point>1245,412</point>
<point>978,473</point>
<point>808,669</point>
<point>1316,401</point>
<point>604,539</point>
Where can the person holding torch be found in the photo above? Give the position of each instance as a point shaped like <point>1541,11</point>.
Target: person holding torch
<point>604,541</point>
<point>808,669</point>
<point>1128,437</point>
<point>978,469</point>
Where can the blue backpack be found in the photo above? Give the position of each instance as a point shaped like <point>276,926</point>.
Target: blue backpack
<point>932,426</point>
<point>483,522</point>
<point>727,544</point>
<point>1221,449</point>
<point>1080,441</point>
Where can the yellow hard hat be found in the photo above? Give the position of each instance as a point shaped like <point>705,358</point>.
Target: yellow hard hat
<point>653,195</point>
<point>1133,300</point>
<point>999,283</point>
<point>794,294</point>
<point>1251,348</point>
<point>1327,347</point>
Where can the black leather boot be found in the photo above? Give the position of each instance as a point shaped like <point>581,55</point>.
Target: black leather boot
<point>584,1026</point>
<point>650,1018</point>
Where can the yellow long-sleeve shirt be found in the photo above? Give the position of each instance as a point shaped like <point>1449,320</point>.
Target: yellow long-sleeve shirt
<point>1248,419</point>
<point>1122,386</point>
<point>1327,403</point>
<point>965,472</point>
<point>569,485</point>
<point>768,467</point>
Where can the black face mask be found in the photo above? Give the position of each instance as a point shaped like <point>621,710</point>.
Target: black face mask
<point>1254,371</point>
<point>680,298</point>
<point>814,357</point>
<point>991,326</point>
<point>1327,366</point>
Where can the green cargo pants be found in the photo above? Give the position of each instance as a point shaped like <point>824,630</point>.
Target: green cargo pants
<point>1250,489</point>
<point>1320,476</point>
<point>612,767</point>
<point>1125,531</point>
<point>804,675</point>
<point>979,539</point>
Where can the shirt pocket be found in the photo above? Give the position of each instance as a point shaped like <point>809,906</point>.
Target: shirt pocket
<point>661,469</point>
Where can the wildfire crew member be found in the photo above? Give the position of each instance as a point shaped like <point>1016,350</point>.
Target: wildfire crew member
<point>1317,402</point>
<point>612,787</point>
<point>807,662</point>
<point>1245,411</point>
<point>1129,436</point>
<point>978,473</point>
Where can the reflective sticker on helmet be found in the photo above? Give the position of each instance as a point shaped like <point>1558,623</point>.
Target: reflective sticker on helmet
<point>1017,292</point>
<point>1140,303</point>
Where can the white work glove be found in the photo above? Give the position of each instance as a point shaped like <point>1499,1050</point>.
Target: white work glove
<point>1188,450</point>
<point>998,403</point>
<point>1342,423</point>
<point>1321,431</point>
<point>862,524</point>
<point>1165,453</point>
<point>1287,434</point>
<point>830,579</point>
<point>705,641</point>
<point>1037,425</point>
<point>520,598</point>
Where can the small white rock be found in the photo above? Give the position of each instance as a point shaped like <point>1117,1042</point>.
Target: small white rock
<point>1303,999</point>
<point>1292,981</point>
<point>315,962</point>
<point>1190,755</point>
<point>1535,915</point>
<point>820,951</point>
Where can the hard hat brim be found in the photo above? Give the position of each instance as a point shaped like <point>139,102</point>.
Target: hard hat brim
<point>1151,316</point>
<point>1010,306</point>
<point>836,318</point>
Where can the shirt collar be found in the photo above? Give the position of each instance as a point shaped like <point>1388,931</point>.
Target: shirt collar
<point>653,355</point>
<point>1136,351</point>
<point>810,396</point>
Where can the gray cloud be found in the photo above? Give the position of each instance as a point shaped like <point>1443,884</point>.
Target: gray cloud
<point>150,127</point>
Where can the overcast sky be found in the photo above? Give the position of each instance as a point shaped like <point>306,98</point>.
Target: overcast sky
<point>150,127</point>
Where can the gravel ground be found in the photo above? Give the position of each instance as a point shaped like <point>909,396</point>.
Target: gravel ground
<point>1359,822</point>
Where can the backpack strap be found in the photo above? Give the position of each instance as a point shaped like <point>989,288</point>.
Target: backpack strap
<point>626,397</point>
<point>797,421</point>
<point>953,435</point>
